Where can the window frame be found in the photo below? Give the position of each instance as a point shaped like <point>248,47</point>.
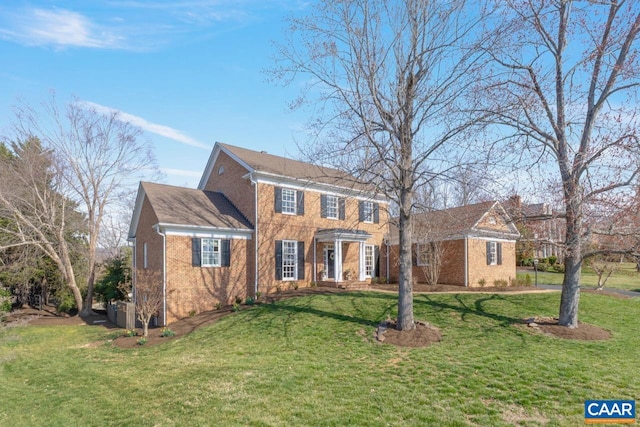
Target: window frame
<point>369,261</point>
<point>492,255</point>
<point>422,252</point>
<point>289,260</point>
<point>204,254</point>
<point>367,211</point>
<point>289,205</point>
<point>333,207</point>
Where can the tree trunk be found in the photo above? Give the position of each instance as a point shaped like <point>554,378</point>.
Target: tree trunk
<point>570,292</point>
<point>405,286</point>
<point>145,328</point>
<point>573,260</point>
<point>87,309</point>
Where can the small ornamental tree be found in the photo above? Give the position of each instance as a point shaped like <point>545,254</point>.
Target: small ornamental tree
<point>604,266</point>
<point>148,297</point>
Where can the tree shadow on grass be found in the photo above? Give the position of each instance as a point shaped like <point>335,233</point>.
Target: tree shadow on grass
<point>306,306</point>
<point>478,308</point>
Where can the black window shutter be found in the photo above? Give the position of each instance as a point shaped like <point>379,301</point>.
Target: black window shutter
<point>488,253</point>
<point>300,260</point>
<point>361,211</point>
<point>323,206</point>
<point>499,250</point>
<point>300,201</point>
<point>225,260</point>
<point>376,261</point>
<point>196,248</point>
<point>278,199</point>
<point>278,259</point>
<point>341,208</point>
<point>376,213</point>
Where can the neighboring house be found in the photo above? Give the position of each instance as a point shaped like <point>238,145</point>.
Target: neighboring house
<point>255,224</point>
<point>477,242</point>
<point>542,229</point>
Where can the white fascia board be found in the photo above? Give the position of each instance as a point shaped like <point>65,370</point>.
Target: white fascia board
<point>309,185</point>
<point>137,209</point>
<point>206,232</point>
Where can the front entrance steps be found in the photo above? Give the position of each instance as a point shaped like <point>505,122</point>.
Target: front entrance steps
<point>350,285</point>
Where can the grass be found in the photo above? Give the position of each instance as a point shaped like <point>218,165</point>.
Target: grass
<point>626,278</point>
<point>313,361</point>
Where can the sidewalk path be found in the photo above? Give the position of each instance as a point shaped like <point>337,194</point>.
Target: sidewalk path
<point>610,290</point>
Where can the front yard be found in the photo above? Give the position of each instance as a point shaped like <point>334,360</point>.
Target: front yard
<point>313,360</point>
<point>626,277</point>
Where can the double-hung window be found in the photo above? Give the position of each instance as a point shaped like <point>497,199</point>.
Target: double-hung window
<point>367,211</point>
<point>494,253</point>
<point>369,267</point>
<point>289,259</point>
<point>422,254</point>
<point>332,207</point>
<point>210,252</point>
<point>288,201</point>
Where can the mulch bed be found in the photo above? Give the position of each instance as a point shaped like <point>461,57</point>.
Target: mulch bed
<point>422,335</point>
<point>550,326</point>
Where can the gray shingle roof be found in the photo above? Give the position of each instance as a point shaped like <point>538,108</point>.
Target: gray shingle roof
<point>187,206</point>
<point>452,222</point>
<point>276,165</point>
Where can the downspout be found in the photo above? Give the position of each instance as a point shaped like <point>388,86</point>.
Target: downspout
<point>164,274</point>
<point>315,261</point>
<point>255,231</point>
<point>466,262</point>
<point>386,243</point>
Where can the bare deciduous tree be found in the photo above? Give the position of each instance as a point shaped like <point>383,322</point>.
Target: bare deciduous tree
<point>148,297</point>
<point>385,79</point>
<point>566,81</point>
<point>38,212</point>
<point>96,159</point>
<point>604,267</point>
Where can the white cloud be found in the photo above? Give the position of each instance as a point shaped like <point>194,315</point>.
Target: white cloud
<point>147,126</point>
<point>58,27</point>
<point>181,172</point>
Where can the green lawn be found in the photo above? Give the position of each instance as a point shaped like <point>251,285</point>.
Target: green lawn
<point>625,278</point>
<point>313,361</point>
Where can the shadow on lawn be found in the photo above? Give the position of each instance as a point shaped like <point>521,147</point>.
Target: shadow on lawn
<point>464,309</point>
<point>294,306</point>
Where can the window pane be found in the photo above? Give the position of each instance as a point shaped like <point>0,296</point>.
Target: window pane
<point>289,259</point>
<point>211,252</point>
<point>288,201</point>
<point>332,207</point>
<point>368,261</point>
<point>368,211</point>
<point>493,253</point>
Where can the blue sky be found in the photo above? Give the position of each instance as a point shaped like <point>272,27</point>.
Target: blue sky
<point>189,73</point>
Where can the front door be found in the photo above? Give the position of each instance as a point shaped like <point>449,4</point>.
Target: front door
<point>329,262</point>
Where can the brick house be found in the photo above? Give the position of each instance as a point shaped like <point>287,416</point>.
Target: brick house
<point>477,244</point>
<point>255,224</point>
<point>541,227</point>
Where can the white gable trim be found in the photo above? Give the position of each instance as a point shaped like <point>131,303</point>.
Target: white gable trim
<point>208,170</point>
<point>497,206</point>
<point>137,209</point>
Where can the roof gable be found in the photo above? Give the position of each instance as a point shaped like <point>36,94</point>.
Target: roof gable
<point>267,165</point>
<point>187,207</point>
<point>486,219</point>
